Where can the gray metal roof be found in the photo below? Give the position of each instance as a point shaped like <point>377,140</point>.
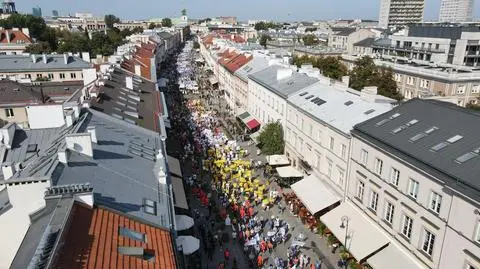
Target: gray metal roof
<point>256,64</point>
<point>367,42</point>
<point>16,63</point>
<point>416,143</point>
<point>337,107</point>
<point>283,87</point>
<point>41,138</point>
<point>121,180</point>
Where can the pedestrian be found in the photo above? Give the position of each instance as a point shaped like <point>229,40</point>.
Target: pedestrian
<point>234,264</point>
<point>259,261</point>
<point>226,254</point>
<point>270,246</point>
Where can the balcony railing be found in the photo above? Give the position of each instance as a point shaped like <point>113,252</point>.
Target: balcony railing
<point>409,48</point>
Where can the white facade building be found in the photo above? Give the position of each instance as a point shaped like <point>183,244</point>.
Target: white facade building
<point>456,11</point>
<point>400,12</point>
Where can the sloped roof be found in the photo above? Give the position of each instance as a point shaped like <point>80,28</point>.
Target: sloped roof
<point>367,42</point>
<point>16,37</point>
<point>16,63</point>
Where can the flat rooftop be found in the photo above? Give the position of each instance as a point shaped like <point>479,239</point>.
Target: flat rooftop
<point>25,63</point>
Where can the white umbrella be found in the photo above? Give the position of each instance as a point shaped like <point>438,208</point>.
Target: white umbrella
<point>188,244</point>
<point>183,222</point>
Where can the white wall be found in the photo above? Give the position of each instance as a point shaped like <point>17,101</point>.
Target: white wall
<point>89,75</point>
<point>45,116</point>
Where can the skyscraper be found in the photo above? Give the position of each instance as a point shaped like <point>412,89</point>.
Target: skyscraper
<point>55,13</point>
<point>37,11</point>
<point>456,10</point>
<point>400,12</point>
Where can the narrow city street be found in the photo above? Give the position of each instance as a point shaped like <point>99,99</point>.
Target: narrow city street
<point>217,235</point>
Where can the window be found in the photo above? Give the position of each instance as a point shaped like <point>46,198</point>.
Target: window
<point>9,112</point>
<point>132,234</point>
<point>28,76</point>
<point>476,89</point>
<point>62,75</point>
<point>341,177</point>
<point>50,75</point>
<point>302,125</point>
<point>477,233</point>
<point>373,200</point>
<point>461,89</point>
<point>394,176</point>
<point>364,157</point>
<point>428,242</point>
<point>378,166</point>
<point>39,75</point>
<point>310,130</point>
<point>150,207</point>
<point>407,226</point>
<point>413,188</point>
<point>329,171</point>
<point>332,143</point>
<point>360,190</point>
<point>319,134</point>
<point>435,202</point>
<point>344,151</point>
<point>389,211</point>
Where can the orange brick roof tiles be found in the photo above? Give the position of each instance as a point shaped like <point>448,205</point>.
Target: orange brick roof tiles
<point>15,36</point>
<point>92,241</point>
<point>237,62</point>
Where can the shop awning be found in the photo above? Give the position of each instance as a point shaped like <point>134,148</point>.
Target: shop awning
<point>288,171</point>
<point>393,257</point>
<point>314,194</point>
<point>364,238</point>
<point>183,222</point>
<point>188,244</point>
<point>179,197</point>
<point>243,115</point>
<point>174,166</point>
<point>252,124</point>
<point>277,160</point>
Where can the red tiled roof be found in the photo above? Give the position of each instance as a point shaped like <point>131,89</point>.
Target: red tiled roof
<point>237,62</point>
<point>15,36</point>
<point>93,238</point>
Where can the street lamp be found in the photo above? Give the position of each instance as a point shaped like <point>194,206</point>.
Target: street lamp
<point>345,221</point>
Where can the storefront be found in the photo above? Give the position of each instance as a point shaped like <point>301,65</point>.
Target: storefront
<point>315,195</point>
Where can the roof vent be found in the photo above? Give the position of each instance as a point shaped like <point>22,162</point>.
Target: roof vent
<point>348,103</point>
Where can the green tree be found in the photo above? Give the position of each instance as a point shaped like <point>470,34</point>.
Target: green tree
<point>331,67</point>
<point>36,25</point>
<point>386,84</point>
<point>38,48</point>
<point>309,40</point>
<point>271,139</point>
<point>196,45</point>
<point>263,40</point>
<point>266,25</point>
<point>166,22</point>
<point>184,12</point>
<point>110,20</point>
<point>304,59</point>
<point>152,26</point>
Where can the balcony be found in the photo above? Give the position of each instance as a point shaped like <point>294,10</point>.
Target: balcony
<point>408,48</point>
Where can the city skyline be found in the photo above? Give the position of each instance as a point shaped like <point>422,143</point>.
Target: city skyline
<point>244,10</point>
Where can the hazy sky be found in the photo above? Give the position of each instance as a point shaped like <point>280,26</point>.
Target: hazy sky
<point>243,9</point>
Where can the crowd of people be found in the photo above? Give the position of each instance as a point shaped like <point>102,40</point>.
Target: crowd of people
<point>242,205</point>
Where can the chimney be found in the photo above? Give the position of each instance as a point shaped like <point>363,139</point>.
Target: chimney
<point>44,56</point>
<point>7,134</point>
<point>8,170</point>
<point>162,177</point>
<point>69,117</point>
<point>129,83</point>
<point>369,93</point>
<point>8,36</point>
<point>346,80</point>
<point>26,32</point>
<point>86,56</point>
<point>34,58</point>
<point>65,58</point>
<point>284,73</point>
<point>80,142</point>
<point>63,156</point>
<point>93,133</point>
<point>138,70</point>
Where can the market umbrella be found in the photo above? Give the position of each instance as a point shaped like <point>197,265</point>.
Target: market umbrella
<point>183,222</point>
<point>188,244</point>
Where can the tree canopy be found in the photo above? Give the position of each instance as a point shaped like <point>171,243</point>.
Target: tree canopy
<point>271,139</point>
<point>309,40</point>
<point>110,20</point>
<point>366,73</point>
<point>266,25</point>
<point>184,12</point>
<point>330,66</point>
<point>263,40</point>
<point>166,22</point>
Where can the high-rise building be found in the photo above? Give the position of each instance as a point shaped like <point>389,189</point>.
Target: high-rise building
<point>456,10</point>
<point>8,7</point>
<point>37,11</point>
<point>54,13</point>
<point>400,12</point>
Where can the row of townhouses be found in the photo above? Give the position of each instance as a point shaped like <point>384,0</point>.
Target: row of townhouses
<point>86,180</point>
<point>401,174</point>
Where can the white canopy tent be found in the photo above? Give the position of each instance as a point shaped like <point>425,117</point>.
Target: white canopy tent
<point>364,238</point>
<point>393,257</point>
<point>183,222</point>
<point>277,160</point>
<point>188,244</point>
<point>162,82</point>
<point>288,171</point>
<point>314,194</point>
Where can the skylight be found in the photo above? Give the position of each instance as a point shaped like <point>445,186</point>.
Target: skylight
<point>454,139</point>
<point>439,146</point>
<point>132,234</point>
<point>303,93</point>
<point>382,122</point>
<point>466,157</point>
<point>370,111</point>
<point>348,103</point>
<point>308,97</point>
<point>419,136</point>
<point>405,126</point>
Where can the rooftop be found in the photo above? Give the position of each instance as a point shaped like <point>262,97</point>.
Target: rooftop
<point>367,42</point>
<point>141,105</point>
<point>438,138</point>
<point>256,64</point>
<point>16,37</point>
<point>343,31</point>
<point>124,169</point>
<point>17,63</point>
<point>338,107</point>
<point>441,31</point>
<point>103,238</point>
<point>281,80</point>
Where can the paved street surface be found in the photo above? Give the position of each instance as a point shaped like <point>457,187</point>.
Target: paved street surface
<point>315,248</point>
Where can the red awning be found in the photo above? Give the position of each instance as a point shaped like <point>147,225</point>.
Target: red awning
<point>252,124</point>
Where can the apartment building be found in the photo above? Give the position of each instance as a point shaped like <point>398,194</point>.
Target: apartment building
<point>456,11</point>
<point>413,175</point>
<point>457,84</point>
<point>400,12</point>
<point>344,38</point>
<point>317,131</point>
<point>452,44</point>
<point>269,89</point>
<point>51,67</point>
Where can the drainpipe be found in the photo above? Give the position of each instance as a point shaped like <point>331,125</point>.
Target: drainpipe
<point>348,172</point>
